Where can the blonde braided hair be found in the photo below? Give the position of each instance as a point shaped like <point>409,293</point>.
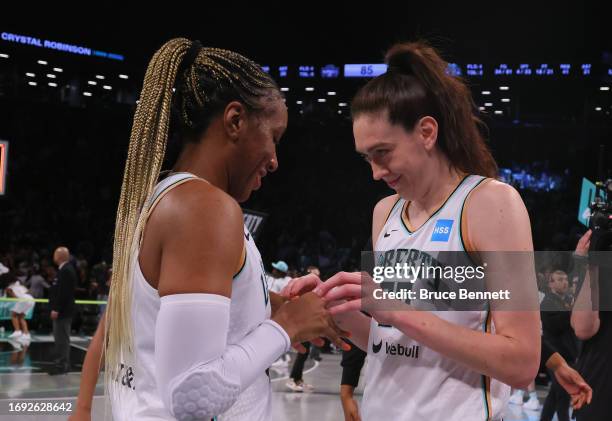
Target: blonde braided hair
<point>203,88</point>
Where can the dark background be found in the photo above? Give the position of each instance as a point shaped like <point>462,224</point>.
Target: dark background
<point>66,158</point>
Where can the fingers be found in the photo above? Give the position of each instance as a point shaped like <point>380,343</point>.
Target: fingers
<point>318,342</point>
<point>299,286</point>
<point>586,237</point>
<point>337,340</point>
<point>286,291</point>
<point>299,348</point>
<point>343,292</point>
<point>585,389</point>
<point>354,305</point>
<point>580,400</point>
<point>335,334</point>
<point>576,401</point>
<point>589,394</point>
<point>338,279</point>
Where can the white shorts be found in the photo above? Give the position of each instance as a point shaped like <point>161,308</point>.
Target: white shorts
<point>22,307</point>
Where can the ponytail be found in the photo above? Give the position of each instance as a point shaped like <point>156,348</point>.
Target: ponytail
<point>417,84</point>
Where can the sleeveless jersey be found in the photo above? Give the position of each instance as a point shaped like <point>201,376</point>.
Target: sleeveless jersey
<point>137,398</point>
<point>405,380</point>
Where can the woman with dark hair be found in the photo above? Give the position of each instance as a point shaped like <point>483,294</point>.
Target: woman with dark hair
<point>415,125</point>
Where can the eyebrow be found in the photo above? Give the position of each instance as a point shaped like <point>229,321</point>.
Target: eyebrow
<point>371,148</point>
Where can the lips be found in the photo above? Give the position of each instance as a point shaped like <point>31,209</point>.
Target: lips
<point>258,177</point>
<point>257,182</point>
<point>393,182</point>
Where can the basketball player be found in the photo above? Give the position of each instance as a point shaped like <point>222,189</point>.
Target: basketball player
<point>416,128</point>
<point>190,328</point>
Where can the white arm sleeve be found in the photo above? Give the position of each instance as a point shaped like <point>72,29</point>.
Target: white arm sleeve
<point>199,376</point>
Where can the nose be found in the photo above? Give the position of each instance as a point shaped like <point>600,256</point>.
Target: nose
<point>272,164</point>
<point>378,172</point>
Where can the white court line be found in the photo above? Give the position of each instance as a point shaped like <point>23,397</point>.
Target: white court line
<point>82,348</point>
<point>34,374</point>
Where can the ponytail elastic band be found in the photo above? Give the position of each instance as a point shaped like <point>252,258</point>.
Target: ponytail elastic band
<point>191,54</point>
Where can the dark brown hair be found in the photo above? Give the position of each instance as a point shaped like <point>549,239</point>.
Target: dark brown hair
<point>416,85</point>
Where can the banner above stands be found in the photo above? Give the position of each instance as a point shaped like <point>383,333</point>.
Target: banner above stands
<point>59,46</point>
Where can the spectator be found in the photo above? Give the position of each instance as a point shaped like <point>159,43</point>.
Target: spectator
<point>352,363</point>
<point>62,308</point>
<point>37,284</point>
<point>278,278</point>
<point>21,333</point>
<point>594,327</point>
<point>558,332</point>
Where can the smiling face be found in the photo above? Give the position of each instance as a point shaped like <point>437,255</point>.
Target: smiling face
<point>398,157</point>
<point>256,148</point>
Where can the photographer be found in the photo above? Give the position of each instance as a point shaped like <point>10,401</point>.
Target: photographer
<point>558,332</point>
<point>594,327</point>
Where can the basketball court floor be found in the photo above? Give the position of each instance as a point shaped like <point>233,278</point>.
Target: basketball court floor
<point>24,378</point>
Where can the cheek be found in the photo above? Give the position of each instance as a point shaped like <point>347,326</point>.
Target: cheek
<point>405,160</point>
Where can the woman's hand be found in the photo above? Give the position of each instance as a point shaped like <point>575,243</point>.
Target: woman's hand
<point>355,291</point>
<point>573,383</point>
<point>582,248</point>
<point>301,285</point>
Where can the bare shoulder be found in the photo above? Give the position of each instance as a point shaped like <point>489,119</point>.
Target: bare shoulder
<point>493,194</point>
<point>381,212</point>
<point>497,218</point>
<point>386,203</point>
<point>202,239</point>
<point>198,203</point>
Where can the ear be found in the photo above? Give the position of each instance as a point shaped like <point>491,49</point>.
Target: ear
<point>427,128</point>
<point>234,119</point>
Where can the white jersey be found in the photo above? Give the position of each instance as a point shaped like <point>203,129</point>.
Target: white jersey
<point>137,398</point>
<point>406,380</point>
<point>20,290</point>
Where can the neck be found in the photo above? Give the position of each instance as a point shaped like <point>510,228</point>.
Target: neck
<point>439,182</point>
<point>204,159</point>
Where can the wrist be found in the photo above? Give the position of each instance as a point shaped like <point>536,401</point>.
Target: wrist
<point>281,319</point>
<point>555,361</point>
<point>83,407</point>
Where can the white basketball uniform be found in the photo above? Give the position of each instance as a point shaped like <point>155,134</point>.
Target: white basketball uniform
<point>406,380</point>
<point>137,398</point>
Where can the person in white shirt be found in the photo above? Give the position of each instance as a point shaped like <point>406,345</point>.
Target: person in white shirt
<point>278,278</point>
<point>19,311</point>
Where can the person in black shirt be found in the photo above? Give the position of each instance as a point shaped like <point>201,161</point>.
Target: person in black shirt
<point>62,308</point>
<point>352,363</point>
<point>558,332</point>
<point>594,327</point>
<point>572,382</point>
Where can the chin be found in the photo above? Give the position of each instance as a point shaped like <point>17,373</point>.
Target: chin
<point>401,192</point>
<point>243,197</point>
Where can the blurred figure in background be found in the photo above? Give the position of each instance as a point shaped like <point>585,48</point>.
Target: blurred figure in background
<point>278,278</point>
<point>62,308</point>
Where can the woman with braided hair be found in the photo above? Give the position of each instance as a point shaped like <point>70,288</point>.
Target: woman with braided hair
<point>174,347</point>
